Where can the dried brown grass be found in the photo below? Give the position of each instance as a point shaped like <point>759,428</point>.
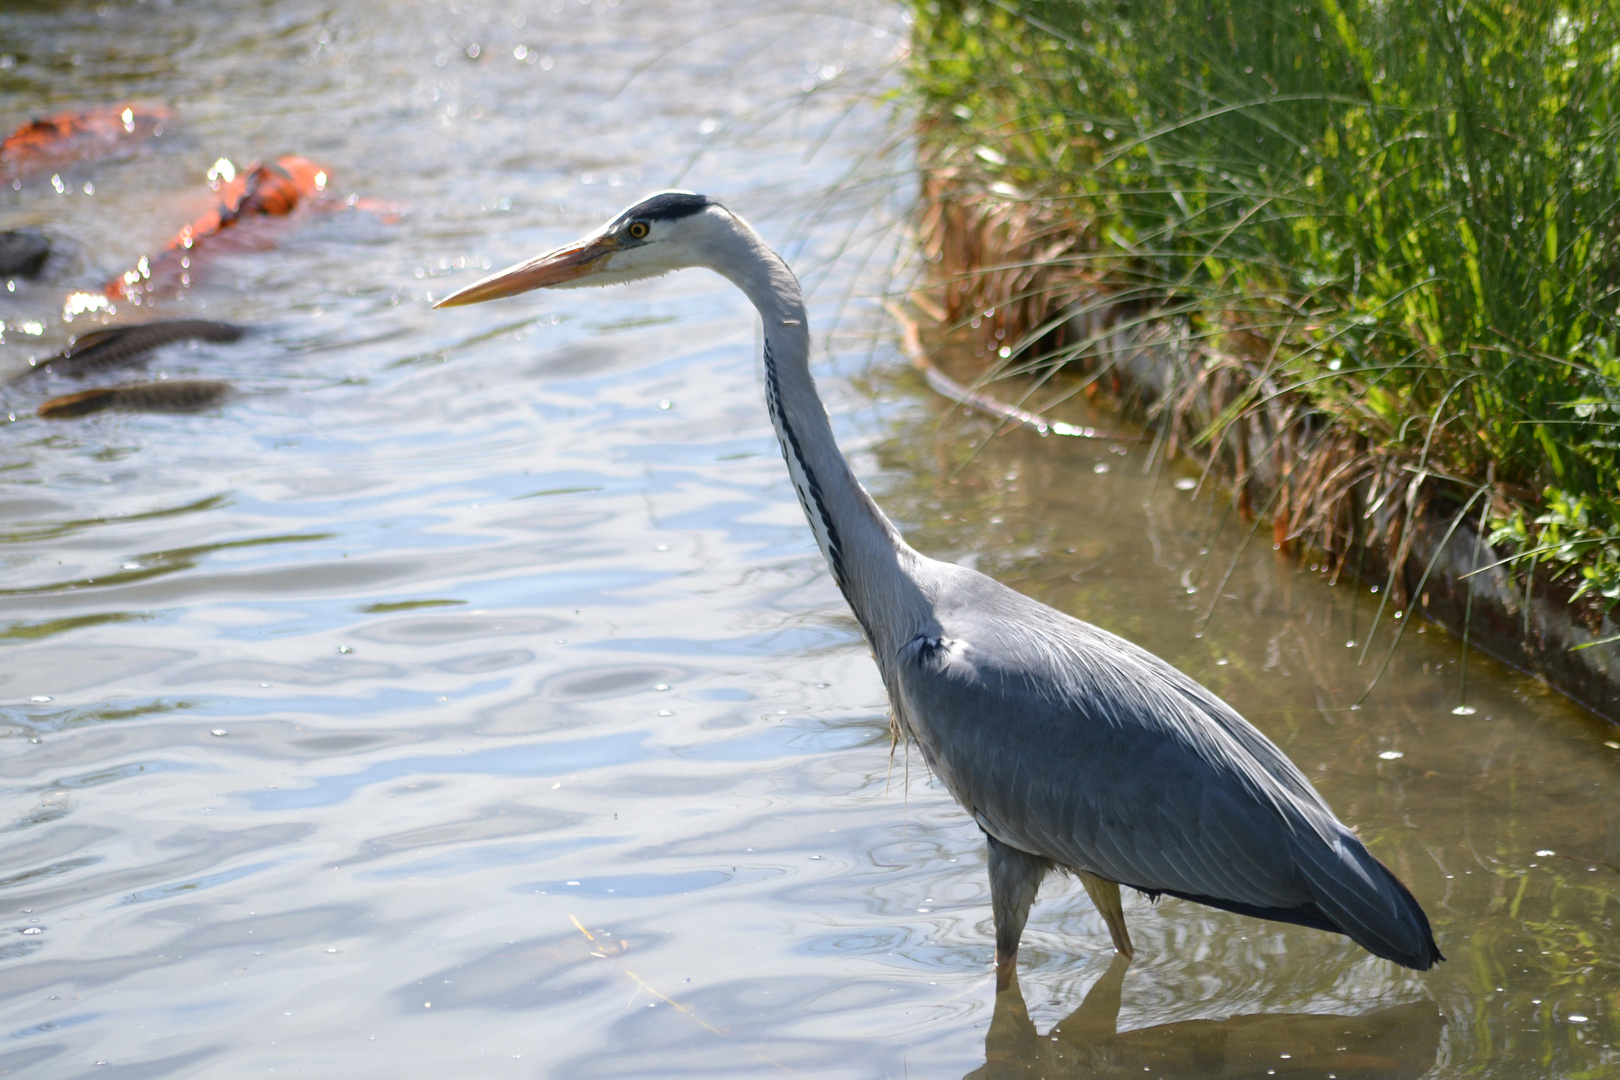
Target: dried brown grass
<point>1029,276</point>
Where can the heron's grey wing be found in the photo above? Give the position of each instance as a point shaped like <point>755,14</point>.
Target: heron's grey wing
<point>1067,742</point>
<point>1109,782</point>
<point>1072,744</point>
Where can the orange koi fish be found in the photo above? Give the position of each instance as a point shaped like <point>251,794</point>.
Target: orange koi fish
<point>54,141</point>
<point>263,191</point>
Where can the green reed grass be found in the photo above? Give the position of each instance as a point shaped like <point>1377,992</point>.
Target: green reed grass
<point>1417,200</point>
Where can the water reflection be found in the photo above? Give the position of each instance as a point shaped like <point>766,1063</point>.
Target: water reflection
<point>1396,1043</point>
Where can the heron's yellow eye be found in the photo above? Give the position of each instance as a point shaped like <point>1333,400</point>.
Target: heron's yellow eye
<point>639,230</point>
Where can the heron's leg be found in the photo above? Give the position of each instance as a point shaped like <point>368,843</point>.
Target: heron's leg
<point>1014,878</point>
<point>1105,896</point>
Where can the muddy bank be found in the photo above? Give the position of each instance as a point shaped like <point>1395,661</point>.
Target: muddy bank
<point>1004,277</point>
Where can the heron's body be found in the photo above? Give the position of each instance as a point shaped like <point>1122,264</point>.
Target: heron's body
<point>1071,747</point>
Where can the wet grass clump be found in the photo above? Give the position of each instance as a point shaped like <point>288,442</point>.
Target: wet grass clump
<point>1404,214</point>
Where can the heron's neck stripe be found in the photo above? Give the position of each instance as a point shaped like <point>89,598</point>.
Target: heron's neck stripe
<point>809,489</point>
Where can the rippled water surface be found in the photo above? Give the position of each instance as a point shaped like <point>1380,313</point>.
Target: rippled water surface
<point>466,696</point>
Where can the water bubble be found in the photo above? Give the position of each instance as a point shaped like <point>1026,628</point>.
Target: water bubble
<point>1392,755</point>
<point>345,649</point>
<point>1100,467</point>
<point>40,699</point>
<point>1186,483</point>
<point>815,857</point>
<point>662,686</point>
<point>1463,710</point>
<point>1545,852</point>
<point>34,930</point>
<point>219,732</point>
<point>1576,1018</point>
<point>666,404</point>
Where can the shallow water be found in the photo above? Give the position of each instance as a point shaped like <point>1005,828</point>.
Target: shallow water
<point>467,696</point>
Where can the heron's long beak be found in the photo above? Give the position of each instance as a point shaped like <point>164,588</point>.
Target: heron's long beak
<point>553,268</point>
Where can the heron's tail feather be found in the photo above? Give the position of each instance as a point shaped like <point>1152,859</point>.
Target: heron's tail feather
<point>1367,902</point>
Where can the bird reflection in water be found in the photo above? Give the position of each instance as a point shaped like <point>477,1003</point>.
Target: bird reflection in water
<point>1390,1044</point>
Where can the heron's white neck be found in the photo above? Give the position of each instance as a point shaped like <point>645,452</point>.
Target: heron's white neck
<point>868,558</point>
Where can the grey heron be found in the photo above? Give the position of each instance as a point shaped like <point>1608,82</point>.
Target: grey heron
<point>1070,747</point>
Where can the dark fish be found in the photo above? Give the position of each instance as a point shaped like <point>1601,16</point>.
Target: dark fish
<point>176,396</point>
<point>23,252</point>
<point>118,346</point>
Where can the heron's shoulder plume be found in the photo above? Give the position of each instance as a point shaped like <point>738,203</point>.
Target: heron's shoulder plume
<point>669,206</point>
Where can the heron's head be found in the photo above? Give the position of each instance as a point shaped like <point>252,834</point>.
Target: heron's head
<point>667,231</point>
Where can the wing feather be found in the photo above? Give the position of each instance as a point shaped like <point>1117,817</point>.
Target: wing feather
<point>1065,741</point>
<point>1088,752</point>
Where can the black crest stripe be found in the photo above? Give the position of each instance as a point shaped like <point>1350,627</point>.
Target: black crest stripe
<point>669,206</point>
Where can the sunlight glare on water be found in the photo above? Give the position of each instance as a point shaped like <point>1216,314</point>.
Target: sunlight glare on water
<point>467,697</point>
